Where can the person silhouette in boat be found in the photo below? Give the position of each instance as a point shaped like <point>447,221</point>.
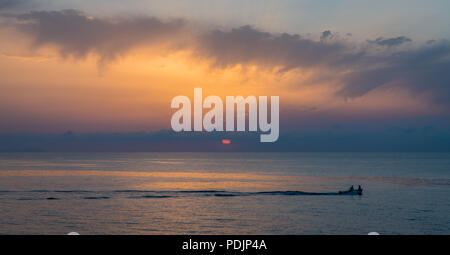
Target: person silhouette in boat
<point>359,188</point>
<point>351,189</point>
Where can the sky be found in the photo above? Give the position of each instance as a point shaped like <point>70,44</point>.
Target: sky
<point>351,75</point>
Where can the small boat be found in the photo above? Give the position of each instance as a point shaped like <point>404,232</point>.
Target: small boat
<point>353,192</point>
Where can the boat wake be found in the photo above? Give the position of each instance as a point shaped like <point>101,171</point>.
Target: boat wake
<point>150,194</point>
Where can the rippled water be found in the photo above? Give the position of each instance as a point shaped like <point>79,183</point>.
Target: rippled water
<point>224,193</point>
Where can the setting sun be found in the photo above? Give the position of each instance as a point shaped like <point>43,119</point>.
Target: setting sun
<point>226,141</point>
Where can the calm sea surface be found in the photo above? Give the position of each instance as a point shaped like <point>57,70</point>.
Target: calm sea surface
<point>224,193</point>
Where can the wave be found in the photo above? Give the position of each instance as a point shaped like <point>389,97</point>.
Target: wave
<point>140,194</point>
<point>200,191</point>
<point>104,197</point>
<point>275,193</point>
<point>72,191</point>
<point>149,196</point>
<point>37,198</point>
<point>167,191</point>
<point>225,195</point>
<point>296,193</point>
<point>56,191</point>
<point>133,191</point>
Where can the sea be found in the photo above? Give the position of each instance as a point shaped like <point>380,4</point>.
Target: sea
<point>224,193</point>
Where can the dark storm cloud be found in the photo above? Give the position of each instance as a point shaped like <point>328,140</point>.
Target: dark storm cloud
<point>247,45</point>
<point>78,35</point>
<point>390,41</point>
<point>7,5</point>
<point>326,35</point>
<point>357,69</point>
<point>4,4</point>
<point>426,69</point>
